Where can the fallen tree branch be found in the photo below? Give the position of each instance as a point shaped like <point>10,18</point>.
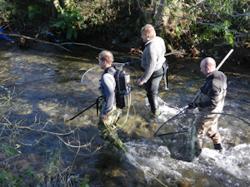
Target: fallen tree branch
<point>56,134</point>
<point>240,15</point>
<point>38,40</point>
<point>175,52</point>
<point>74,146</point>
<point>60,45</point>
<point>82,44</point>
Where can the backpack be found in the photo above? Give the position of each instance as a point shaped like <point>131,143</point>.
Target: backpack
<point>123,87</point>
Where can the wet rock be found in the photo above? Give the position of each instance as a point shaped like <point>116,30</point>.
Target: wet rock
<point>184,183</point>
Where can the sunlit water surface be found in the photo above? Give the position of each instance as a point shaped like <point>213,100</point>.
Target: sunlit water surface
<point>46,87</point>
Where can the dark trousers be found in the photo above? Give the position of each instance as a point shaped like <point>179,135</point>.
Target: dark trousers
<point>152,89</point>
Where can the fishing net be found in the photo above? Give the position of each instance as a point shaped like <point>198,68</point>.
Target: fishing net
<point>90,81</point>
<point>179,135</point>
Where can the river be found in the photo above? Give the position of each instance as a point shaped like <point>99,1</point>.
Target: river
<point>41,87</point>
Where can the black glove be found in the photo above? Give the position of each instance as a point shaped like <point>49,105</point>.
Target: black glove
<point>192,106</point>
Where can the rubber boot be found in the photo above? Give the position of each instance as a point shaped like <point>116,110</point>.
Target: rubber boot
<point>153,101</point>
<point>218,147</point>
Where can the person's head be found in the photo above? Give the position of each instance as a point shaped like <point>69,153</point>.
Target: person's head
<point>106,59</point>
<point>207,65</point>
<point>147,32</point>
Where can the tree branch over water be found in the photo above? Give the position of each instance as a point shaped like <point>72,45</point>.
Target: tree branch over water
<point>17,129</point>
<point>82,44</point>
<point>38,40</point>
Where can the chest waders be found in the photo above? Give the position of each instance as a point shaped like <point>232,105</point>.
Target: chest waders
<point>108,128</point>
<point>165,75</point>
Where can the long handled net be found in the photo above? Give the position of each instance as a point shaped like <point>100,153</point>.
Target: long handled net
<point>179,134</point>
<point>91,82</point>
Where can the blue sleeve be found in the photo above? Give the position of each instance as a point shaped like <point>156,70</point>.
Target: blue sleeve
<point>109,92</point>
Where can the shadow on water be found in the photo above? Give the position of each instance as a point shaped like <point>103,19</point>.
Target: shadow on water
<point>41,88</point>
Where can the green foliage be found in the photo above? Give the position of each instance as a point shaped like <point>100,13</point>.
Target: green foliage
<point>10,179</point>
<point>53,164</point>
<point>198,22</point>
<point>7,179</point>
<point>186,23</point>
<point>5,11</point>
<point>69,21</point>
<point>220,6</point>
<point>75,16</point>
<point>85,181</point>
<point>25,15</point>
<point>219,17</point>
<point>34,12</point>
<point>8,150</point>
<point>29,172</point>
<point>218,30</point>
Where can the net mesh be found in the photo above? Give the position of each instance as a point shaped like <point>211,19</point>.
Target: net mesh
<point>90,81</point>
<point>178,123</point>
<point>91,78</point>
<point>180,136</point>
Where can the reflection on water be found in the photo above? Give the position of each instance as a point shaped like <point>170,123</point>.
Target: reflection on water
<point>44,87</point>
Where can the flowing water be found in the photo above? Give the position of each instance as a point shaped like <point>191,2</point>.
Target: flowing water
<point>40,88</point>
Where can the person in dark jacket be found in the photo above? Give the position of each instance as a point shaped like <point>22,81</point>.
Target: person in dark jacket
<point>210,102</point>
<point>109,113</point>
<point>152,61</point>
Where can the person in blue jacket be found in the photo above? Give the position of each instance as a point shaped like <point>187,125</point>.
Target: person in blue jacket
<point>109,112</point>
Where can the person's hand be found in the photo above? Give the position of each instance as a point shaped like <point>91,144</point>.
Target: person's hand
<point>140,82</point>
<point>192,106</point>
<point>135,51</point>
<point>104,117</point>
